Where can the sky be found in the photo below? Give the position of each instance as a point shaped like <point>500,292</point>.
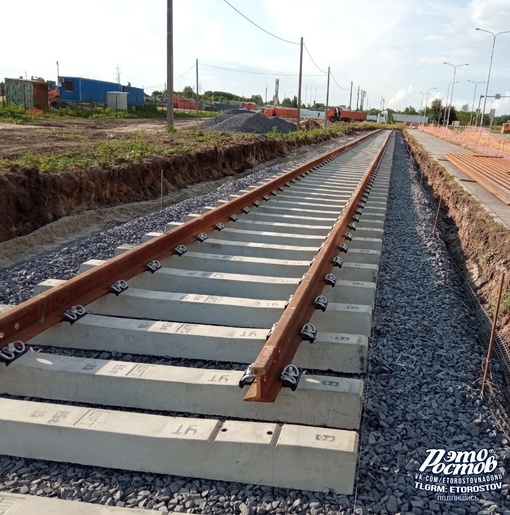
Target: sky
<point>394,50</point>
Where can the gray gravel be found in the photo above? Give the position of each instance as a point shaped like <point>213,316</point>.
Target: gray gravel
<point>237,121</point>
<point>421,393</point>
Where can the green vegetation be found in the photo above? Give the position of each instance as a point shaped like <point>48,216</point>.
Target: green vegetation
<point>111,153</point>
<point>488,257</point>
<point>20,115</point>
<point>334,129</point>
<point>45,163</point>
<point>14,114</point>
<point>134,146</point>
<point>505,301</point>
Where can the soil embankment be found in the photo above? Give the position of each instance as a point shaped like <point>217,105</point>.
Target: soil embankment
<point>480,246</point>
<point>30,199</point>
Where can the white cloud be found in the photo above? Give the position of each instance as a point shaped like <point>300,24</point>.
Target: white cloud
<point>390,48</point>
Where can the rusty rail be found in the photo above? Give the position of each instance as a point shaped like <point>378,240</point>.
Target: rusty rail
<point>281,346</point>
<point>41,312</point>
<point>491,172</point>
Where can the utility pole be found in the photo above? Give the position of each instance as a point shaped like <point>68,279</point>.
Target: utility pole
<point>299,88</point>
<point>118,74</point>
<point>350,97</point>
<point>197,83</point>
<point>327,102</point>
<point>169,64</point>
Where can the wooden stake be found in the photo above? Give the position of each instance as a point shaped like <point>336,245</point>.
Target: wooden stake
<point>493,332</point>
<point>161,181</point>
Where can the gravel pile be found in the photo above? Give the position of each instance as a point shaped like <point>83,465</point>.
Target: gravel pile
<point>238,121</point>
<point>421,392</point>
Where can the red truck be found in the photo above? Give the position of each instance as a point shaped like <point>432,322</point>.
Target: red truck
<point>285,112</point>
<point>339,114</point>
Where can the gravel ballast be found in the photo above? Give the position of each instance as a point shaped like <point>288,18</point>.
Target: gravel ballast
<point>422,390</point>
<point>240,121</point>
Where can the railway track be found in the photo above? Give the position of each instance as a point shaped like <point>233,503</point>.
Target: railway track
<point>234,344</point>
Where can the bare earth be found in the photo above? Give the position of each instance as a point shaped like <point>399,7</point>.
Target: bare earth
<point>74,135</point>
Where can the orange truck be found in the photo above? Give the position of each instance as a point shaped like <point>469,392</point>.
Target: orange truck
<point>185,103</point>
<point>339,114</point>
<point>285,112</point>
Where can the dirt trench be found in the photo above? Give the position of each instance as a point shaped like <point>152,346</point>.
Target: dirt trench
<point>479,245</point>
<point>30,199</point>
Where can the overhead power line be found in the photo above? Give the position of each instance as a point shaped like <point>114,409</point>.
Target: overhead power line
<point>309,55</point>
<point>155,87</point>
<point>259,27</point>
<point>343,89</point>
<point>185,73</point>
<point>256,73</point>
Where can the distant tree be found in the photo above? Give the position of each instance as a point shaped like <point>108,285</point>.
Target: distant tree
<point>286,102</point>
<point>219,95</point>
<point>453,114</point>
<point>463,115</point>
<point>257,99</point>
<point>410,110</point>
<point>294,102</point>
<point>188,92</point>
<point>501,120</point>
<point>486,119</point>
<point>158,94</point>
<point>436,110</point>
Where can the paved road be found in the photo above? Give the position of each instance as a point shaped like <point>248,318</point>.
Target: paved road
<point>438,148</point>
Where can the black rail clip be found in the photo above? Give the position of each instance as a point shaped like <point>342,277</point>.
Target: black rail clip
<point>13,351</point>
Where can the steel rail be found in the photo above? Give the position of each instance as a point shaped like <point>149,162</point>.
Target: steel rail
<point>32,317</point>
<point>491,172</point>
<point>282,344</point>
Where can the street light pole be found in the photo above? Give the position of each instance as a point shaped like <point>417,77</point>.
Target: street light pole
<point>169,64</point>
<point>455,66</point>
<point>474,96</point>
<point>494,36</point>
<point>446,105</point>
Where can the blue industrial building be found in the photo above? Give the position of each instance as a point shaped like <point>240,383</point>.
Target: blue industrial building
<point>79,89</point>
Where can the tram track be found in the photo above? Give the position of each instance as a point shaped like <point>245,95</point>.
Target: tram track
<point>215,301</point>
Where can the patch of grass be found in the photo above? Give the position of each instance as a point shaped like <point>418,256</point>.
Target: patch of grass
<point>483,223</point>
<point>14,119</point>
<point>505,301</point>
<point>20,114</point>
<point>130,149</point>
<point>488,257</point>
<point>14,114</point>
<point>72,136</point>
<point>53,163</point>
